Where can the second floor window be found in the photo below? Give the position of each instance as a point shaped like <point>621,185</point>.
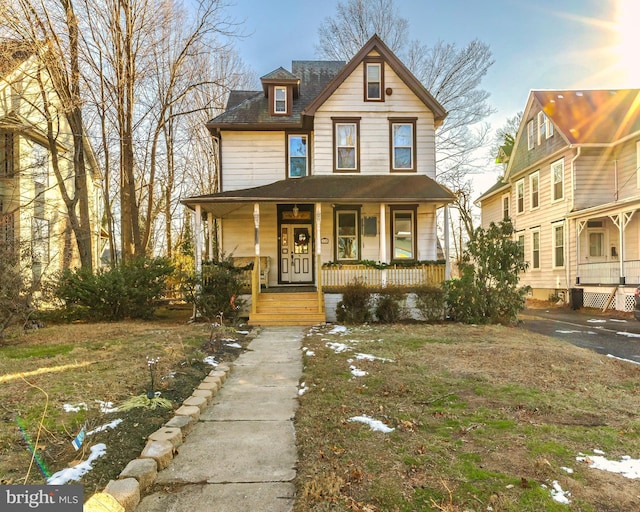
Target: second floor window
<point>402,145</point>
<point>346,145</point>
<point>279,100</point>
<point>298,156</point>
<point>557,180</point>
<point>505,207</point>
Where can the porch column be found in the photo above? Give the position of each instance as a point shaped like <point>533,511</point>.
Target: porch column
<point>197,234</point>
<point>255,275</point>
<point>383,243</point>
<point>210,229</point>
<point>318,208</point>
<point>447,261</point>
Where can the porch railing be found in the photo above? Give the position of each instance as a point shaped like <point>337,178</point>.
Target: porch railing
<point>609,272</point>
<point>340,276</point>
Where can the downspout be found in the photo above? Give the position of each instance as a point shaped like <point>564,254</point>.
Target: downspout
<point>573,198</point>
<point>198,256</point>
<point>447,261</point>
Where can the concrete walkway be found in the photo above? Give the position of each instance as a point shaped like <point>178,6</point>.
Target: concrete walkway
<point>241,455</point>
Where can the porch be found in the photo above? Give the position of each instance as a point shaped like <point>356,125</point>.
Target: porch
<point>609,273</point>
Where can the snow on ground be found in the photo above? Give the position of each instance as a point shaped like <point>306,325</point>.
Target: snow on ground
<point>356,372</point>
<point>302,389</point>
<point>233,345</point>
<point>626,466</point>
<point>369,357</point>
<point>558,494</point>
<point>596,321</point>
<point>338,329</point>
<point>374,424</point>
<point>210,360</point>
<point>75,473</point>
<point>112,424</point>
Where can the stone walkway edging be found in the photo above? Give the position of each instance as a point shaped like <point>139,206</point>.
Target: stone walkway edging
<point>158,453</point>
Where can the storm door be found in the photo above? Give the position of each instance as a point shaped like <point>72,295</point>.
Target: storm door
<point>296,253</point>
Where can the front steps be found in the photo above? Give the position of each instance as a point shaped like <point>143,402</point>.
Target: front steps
<point>288,308</point>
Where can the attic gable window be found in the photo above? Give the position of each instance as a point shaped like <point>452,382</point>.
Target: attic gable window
<point>373,81</point>
<point>530,135</point>
<point>545,128</point>
<point>280,100</point>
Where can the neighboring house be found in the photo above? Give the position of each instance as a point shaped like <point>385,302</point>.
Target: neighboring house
<point>328,165</point>
<point>32,213</point>
<point>572,190</point>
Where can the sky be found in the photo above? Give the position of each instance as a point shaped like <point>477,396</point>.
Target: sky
<point>547,44</point>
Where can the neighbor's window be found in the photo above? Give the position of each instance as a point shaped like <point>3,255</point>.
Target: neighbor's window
<point>6,154</point>
<point>505,207</point>
<point>373,79</point>
<point>279,100</point>
<point>298,156</point>
<point>535,249</point>
<point>520,196</point>
<point>521,247</point>
<point>402,145</point>
<point>346,145</point>
<point>596,244</point>
<point>534,187</point>
<point>638,164</point>
<point>558,245</point>
<point>530,135</point>
<point>347,234</point>
<point>557,180</point>
<point>403,235</point>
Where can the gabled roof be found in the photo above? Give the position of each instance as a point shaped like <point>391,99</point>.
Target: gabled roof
<point>498,186</point>
<point>376,44</point>
<point>330,188</point>
<point>592,116</point>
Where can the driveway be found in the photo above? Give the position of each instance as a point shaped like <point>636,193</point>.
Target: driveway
<point>613,334</point>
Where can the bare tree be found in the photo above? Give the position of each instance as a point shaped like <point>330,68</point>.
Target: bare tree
<point>453,75</point>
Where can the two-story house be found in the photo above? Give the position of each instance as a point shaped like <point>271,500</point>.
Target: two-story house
<point>33,214</point>
<point>572,189</point>
<point>328,165</point>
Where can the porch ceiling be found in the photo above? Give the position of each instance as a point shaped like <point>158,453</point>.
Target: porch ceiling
<point>341,189</point>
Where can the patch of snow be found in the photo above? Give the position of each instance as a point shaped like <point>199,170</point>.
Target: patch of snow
<point>626,466</point>
<point>596,321</point>
<point>77,472</point>
<point>75,408</point>
<point>567,470</point>
<point>242,332</point>
<point>303,389</point>
<point>558,494</point>
<point>338,347</point>
<point>210,360</point>
<point>106,407</point>
<point>620,320</point>
<point>356,372</point>
<point>112,424</point>
<point>310,353</point>
<point>338,329</point>
<point>369,357</point>
<point>374,424</point>
<point>234,345</point>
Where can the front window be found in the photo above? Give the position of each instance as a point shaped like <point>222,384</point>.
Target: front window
<point>346,141</point>
<point>557,180</point>
<point>520,195</point>
<point>347,234</point>
<point>279,100</point>
<point>403,235</point>
<point>298,156</point>
<point>558,246</point>
<point>402,146</point>
<point>534,185</point>
<point>535,249</point>
<point>530,135</point>
<point>373,81</point>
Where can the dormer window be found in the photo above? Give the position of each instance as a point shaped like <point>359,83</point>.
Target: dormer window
<point>279,99</point>
<point>374,81</point>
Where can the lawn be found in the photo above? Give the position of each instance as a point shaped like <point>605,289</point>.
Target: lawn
<point>56,380</point>
<point>393,418</point>
<point>463,418</point>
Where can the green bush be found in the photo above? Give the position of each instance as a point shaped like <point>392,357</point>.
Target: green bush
<point>430,302</point>
<point>15,295</point>
<point>390,305</point>
<point>487,290</point>
<point>128,290</point>
<point>354,308</point>
<point>221,283</point>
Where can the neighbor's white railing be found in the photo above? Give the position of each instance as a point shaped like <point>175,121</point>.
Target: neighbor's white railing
<point>340,276</point>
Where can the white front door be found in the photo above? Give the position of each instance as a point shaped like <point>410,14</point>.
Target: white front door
<point>296,253</point>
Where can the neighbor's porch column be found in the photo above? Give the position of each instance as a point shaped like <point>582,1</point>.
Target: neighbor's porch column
<point>318,209</point>
<point>197,233</point>
<point>210,229</point>
<point>383,243</point>
<point>447,261</point>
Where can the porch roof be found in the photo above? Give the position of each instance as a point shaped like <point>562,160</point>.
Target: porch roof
<point>343,189</point>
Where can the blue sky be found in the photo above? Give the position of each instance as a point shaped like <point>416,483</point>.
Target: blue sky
<point>547,44</point>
